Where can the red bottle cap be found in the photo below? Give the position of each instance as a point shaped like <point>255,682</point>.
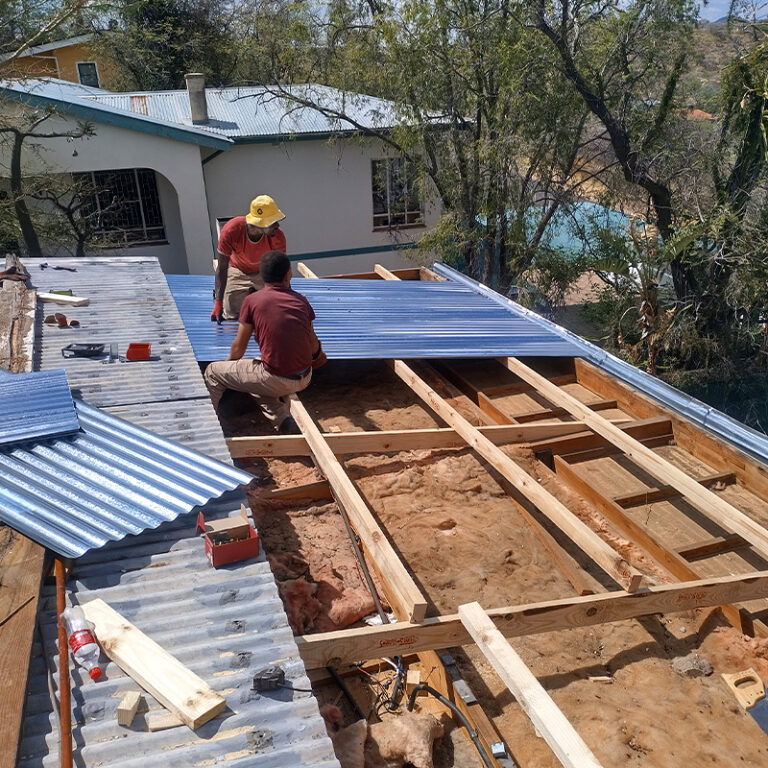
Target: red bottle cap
<point>95,673</point>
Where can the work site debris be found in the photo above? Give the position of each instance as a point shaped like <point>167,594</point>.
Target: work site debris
<point>127,708</point>
<point>692,666</point>
<point>407,738</point>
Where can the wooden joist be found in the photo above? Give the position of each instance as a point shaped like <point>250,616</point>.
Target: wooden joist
<point>715,507</point>
<point>347,646</point>
<point>393,440</point>
<point>318,490</point>
<point>556,413</point>
<point>551,724</point>
<point>583,536</point>
<point>403,594</point>
<point>383,272</point>
<point>671,561</point>
<point>304,270</point>
<point>175,686</point>
<point>712,546</point>
<point>640,498</point>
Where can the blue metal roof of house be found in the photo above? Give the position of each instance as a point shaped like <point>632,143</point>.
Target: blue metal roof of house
<point>35,406</point>
<point>79,101</point>
<point>260,112</point>
<point>224,624</point>
<point>382,319</point>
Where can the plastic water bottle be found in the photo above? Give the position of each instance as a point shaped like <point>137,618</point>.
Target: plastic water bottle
<point>81,640</point>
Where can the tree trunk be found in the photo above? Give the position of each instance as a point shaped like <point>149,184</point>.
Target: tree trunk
<point>28,234</point>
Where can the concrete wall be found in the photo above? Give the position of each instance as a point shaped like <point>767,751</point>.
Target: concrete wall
<point>181,187</point>
<point>323,187</point>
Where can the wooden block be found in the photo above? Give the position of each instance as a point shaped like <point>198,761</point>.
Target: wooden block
<point>412,679</point>
<point>58,298</point>
<point>161,721</point>
<point>153,668</point>
<point>127,708</point>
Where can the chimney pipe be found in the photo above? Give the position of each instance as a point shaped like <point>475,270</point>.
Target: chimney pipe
<point>198,106</point>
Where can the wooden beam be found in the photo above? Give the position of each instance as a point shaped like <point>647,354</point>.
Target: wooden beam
<point>520,387</point>
<point>671,561</point>
<point>304,270</point>
<point>60,298</point>
<point>384,272</point>
<point>719,454</point>
<point>659,426</point>
<point>651,495</point>
<point>403,594</point>
<point>556,413</point>
<point>715,507</point>
<point>393,440</point>
<point>550,723</point>
<point>583,536</point>
<point>347,646</point>
<point>318,490</point>
<point>713,546</point>
<point>153,668</point>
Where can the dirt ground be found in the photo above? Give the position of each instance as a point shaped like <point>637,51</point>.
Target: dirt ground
<point>463,539</point>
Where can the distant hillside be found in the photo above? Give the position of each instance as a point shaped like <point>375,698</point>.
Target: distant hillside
<point>716,46</point>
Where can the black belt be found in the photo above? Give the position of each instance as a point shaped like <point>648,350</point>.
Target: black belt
<point>299,375</point>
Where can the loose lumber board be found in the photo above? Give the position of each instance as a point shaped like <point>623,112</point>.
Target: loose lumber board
<point>581,534</point>
<point>175,686</point>
<point>394,440</point>
<point>350,645</point>
<point>304,270</point>
<point>60,298</point>
<point>384,272</point>
<point>716,508</point>
<point>551,724</point>
<point>21,569</point>
<point>403,594</point>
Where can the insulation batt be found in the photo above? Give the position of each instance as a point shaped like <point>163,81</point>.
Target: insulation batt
<point>404,739</point>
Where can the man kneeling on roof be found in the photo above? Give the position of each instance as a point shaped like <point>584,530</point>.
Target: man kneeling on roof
<point>280,320</point>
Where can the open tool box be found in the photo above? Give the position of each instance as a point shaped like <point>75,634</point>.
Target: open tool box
<point>230,539</point>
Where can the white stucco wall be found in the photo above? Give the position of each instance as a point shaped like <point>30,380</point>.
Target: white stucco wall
<point>180,183</point>
<point>323,187</point>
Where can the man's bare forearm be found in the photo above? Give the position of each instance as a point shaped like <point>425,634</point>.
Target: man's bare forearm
<point>220,281</point>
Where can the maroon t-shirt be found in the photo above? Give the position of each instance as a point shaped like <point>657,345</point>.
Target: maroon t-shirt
<point>282,325</point>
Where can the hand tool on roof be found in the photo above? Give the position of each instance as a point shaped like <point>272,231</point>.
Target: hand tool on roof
<point>749,691</point>
<point>82,350</point>
<point>45,265</point>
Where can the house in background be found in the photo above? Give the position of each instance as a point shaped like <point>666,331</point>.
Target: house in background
<point>72,59</point>
<point>180,174</point>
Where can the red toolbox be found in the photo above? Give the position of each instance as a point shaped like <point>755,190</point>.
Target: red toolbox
<point>230,539</point>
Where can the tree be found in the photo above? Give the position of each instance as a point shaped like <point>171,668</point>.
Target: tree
<point>24,126</point>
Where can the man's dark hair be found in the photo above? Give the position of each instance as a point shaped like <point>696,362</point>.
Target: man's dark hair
<point>274,266</point>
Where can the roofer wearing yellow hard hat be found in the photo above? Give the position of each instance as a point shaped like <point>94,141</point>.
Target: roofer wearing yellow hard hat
<point>242,243</point>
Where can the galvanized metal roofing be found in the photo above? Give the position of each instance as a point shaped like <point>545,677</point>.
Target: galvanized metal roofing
<point>382,319</point>
<point>35,406</point>
<point>743,437</point>
<point>109,480</point>
<point>225,623</point>
<point>259,111</point>
<point>78,100</point>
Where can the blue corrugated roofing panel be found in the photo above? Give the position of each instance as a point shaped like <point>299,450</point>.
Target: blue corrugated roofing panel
<point>382,319</point>
<point>259,111</point>
<point>110,480</point>
<point>35,406</point>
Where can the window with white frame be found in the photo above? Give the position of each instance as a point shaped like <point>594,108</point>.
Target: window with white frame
<point>88,73</point>
<point>127,206</point>
<point>396,199</point>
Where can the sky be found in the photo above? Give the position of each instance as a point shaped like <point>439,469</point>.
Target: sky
<point>715,9</point>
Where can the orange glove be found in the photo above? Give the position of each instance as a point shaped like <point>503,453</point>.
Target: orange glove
<point>218,312</point>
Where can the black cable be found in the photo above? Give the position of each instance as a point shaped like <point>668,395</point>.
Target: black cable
<point>347,694</point>
<point>463,720</point>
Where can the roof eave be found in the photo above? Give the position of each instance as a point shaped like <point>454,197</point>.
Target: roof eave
<point>120,119</point>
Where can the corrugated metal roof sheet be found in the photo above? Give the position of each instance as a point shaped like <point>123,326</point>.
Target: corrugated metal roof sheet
<point>743,437</point>
<point>225,624</point>
<point>110,480</point>
<point>256,111</point>
<point>382,319</point>
<point>79,100</point>
<point>35,406</point>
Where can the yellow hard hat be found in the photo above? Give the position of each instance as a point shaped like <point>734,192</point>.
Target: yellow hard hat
<point>264,212</point>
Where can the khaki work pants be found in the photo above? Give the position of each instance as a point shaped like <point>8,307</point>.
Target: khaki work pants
<point>239,285</point>
<point>249,375</point>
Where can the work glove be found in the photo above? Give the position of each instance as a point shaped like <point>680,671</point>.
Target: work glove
<point>319,358</point>
<point>218,312</point>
